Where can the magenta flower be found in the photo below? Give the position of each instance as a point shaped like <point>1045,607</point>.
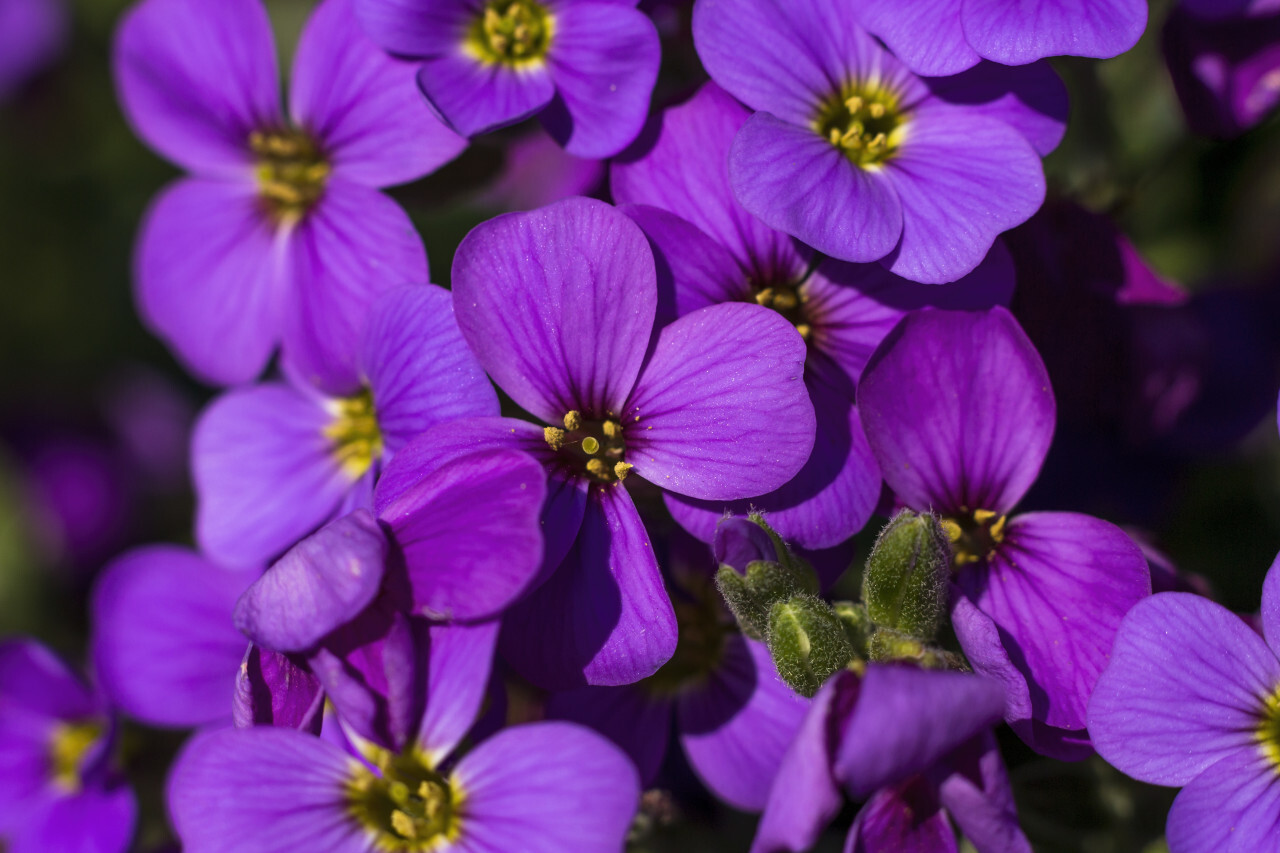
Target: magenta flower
<point>586,68</point>
<point>1191,697</point>
<point>280,236</point>
<point>958,410</point>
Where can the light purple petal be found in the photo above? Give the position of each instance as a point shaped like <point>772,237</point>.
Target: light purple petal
<point>196,78</point>
<point>686,172</point>
<point>418,367</point>
<point>907,719</point>
<point>925,34</point>
<point>977,794</point>
<point>961,178</point>
<point>1185,683</point>
<point>210,278</point>
<point>265,789</point>
<point>796,181</point>
<point>1271,606</point>
<point>904,820</point>
<point>603,617</point>
<point>958,410</point>
<point>164,646</point>
<point>558,305</point>
<point>1057,587</point>
<point>1015,34</point>
<point>474,97</point>
<point>1031,99</point>
<point>603,61</point>
<point>457,682</point>
<point>98,819</point>
<point>35,37</point>
<point>1232,807</point>
<point>635,718</point>
<point>720,410</point>
<point>363,106</point>
<point>736,728</point>
<point>414,27</point>
<point>321,583</point>
<point>354,245</point>
<point>272,690</point>
<point>265,473</point>
<point>545,788</point>
<point>470,534</point>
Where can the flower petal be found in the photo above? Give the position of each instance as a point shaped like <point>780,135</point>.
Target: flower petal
<point>97,819</point>
<point>558,305</point>
<point>457,683</point>
<point>1032,99</point>
<point>636,719</point>
<point>416,27</point>
<point>1271,606</point>
<point>906,818</point>
<point>925,34</point>
<point>273,690</point>
<point>1016,36</point>
<point>977,794</point>
<point>1231,807</point>
<point>721,411</point>
<point>473,97</point>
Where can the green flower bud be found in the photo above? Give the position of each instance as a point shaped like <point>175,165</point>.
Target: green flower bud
<point>887,645</point>
<point>905,583</point>
<point>808,642</point>
<point>857,625</point>
<point>757,570</point>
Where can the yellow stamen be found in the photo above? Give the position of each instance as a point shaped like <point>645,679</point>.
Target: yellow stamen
<point>573,420</point>
<point>554,436</point>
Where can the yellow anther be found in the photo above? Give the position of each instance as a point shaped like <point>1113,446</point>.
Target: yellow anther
<point>834,136</point>
<point>598,468</point>
<point>590,445</point>
<point>622,469</point>
<point>997,529</point>
<point>611,429</point>
<point>952,529</point>
<point>805,330</point>
<point>573,420</point>
<point>554,436</point>
<point>354,432</point>
<point>403,824</point>
<point>785,300</point>
<point>982,516</point>
<point>877,110</point>
<point>764,296</point>
<point>853,104</point>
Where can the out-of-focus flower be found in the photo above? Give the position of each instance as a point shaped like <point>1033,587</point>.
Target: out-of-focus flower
<point>538,172</point>
<point>32,35</point>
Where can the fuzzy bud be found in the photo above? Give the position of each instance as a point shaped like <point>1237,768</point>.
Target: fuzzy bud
<point>905,582</point>
<point>808,642</point>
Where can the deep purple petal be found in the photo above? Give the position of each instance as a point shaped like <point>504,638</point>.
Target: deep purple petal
<point>35,680</point>
<point>977,794</point>
<point>414,27</point>
<point>738,541</point>
<point>1271,606</point>
<point>720,410</point>
<point>354,245</point>
<point>603,617</point>
<point>796,181</point>
<point>164,645</point>
<point>470,534</point>
<point>209,274</point>
<point>266,789</point>
<point>1032,99</point>
<point>362,106</point>
<point>473,97</point>
<point>545,788</point>
<point>1057,587</point>
<point>418,367</point>
<point>961,178</point>
<point>904,819</point>
<point>97,819</point>
<point>558,305</point>
<point>457,682</point>
<point>265,473</point>
<point>272,690</point>
<point>321,583</point>
<point>737,726</point>
<point>958,410</point>
<point>196,78</point>
<point>35,34</point>
<point>603,61</point>
<point>1015,34</point>
<point>1231,807</point>
<point>1185,683</point>
<point>633,717</point>
<point>925,34</point>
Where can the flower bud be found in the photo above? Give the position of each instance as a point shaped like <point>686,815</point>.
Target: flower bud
<point>757,570</point>
<point>857,624</point>
<point>905,583</point>
<point>808,642</point>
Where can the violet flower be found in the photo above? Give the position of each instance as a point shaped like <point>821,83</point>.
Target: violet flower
<point>59,789</point>
<point>1191,697</point>
<point>942,37</point>
<point>856,156</point>
<point>32,34</point>
<point>916,746</point>
<point>275,461</point>
<point>959,411</point>
<point>558,305</point>
<point>585,67</point>
<point>280,236</point>
<point>710,250</point>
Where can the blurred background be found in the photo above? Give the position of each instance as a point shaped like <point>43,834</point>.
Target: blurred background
<point>1164,349</point>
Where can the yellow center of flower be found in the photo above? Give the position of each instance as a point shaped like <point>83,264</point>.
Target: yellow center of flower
<point>596,446</point>
<point>354,433</point>
<point>511,32</point>
<point>974,536</point>
<point>406,804</point>
<point>864,122</point>
<point>292,171</point>
<point>789,300</point>
<point>67,749</point>
<point>1268,731</point>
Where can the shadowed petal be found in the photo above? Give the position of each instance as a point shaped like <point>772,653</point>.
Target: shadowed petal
<point>461,658</point>
<point>635,718</point>
<point>1231,807</point>
<point>906,819</point>
<point>474,97</point>
<point>721,411</point>
<point>977,794</point>
<point>925,34</point>
<point>414,27</point>
<point>1022,33</point>
<point>37,681</point>
<point>1031,99</point>
<point>1271,606</point>
<point>97,819</point>
<point>273,690</point>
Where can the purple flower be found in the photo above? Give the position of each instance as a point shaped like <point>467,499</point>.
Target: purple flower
<point>59,789</point>
<point>537,172</point>
<point>710,250</point>
<point>941,37</point>
<point>857,157</point>
<point>32,34</point>
<point>1191,697</point>
<point>915,745</point>
<point>585,67</point>
<point>558,305</point>
<point>959,412</point>
<point>1226,71</point>
<point>275,461</point>
<point>280,235</point>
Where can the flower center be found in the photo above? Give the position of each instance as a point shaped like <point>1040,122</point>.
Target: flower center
<point>408,805</point>
<point>354,433</point>
<point>67,749</point>
<point>864,122</point>
<point>974,537</point>
<point>597,447</point>
<point>511,32</point>
<point>788,300</point>
<point>1268,730</point>
<point>291,171</point>
<point>703,627</point>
